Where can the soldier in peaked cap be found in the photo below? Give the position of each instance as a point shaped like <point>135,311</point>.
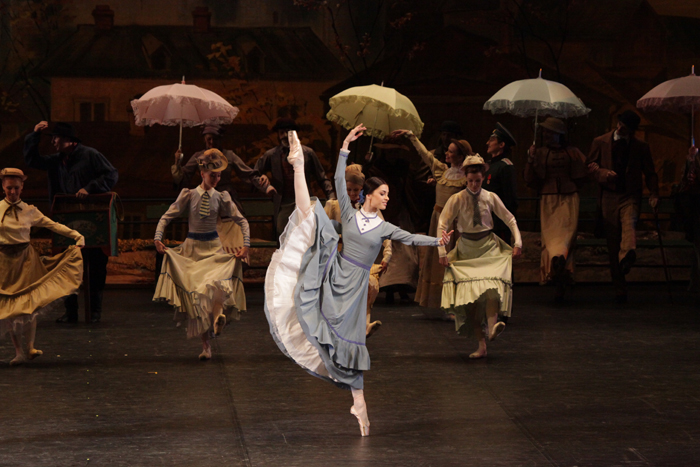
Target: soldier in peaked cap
<point>500,176</point>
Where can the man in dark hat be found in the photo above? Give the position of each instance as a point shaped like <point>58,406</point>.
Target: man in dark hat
<point>281,189</point>
<point>182,174</point>
<point>500,178</point>
<point>617,161</point>
<point>75,170</point>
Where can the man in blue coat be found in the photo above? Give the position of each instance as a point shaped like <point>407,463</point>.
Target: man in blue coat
<point>75,170</point>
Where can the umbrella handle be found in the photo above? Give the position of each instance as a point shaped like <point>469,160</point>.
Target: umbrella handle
<point>179,145</point>
<point>537,111</point>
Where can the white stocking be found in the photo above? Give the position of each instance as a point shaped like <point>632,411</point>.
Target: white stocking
<point>296,158</point>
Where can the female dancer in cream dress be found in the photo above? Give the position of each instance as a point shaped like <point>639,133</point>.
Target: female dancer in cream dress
<point>477,286</point>
<point>450,180</point>
<point>316,298</point>
<point>30,284</point>
<point>199,278</point>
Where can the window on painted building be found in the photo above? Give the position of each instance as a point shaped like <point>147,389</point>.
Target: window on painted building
<point>91,110</point>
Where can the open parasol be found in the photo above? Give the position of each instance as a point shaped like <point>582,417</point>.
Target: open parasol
<point>182,104</point>
<point>680,95</point>
<point>382,110</point>
<point>534,97</point>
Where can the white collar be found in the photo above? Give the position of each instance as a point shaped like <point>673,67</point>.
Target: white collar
<point>201,191</point>
<point>475,194</point>
<point>453,173</point>
<point>366,221</point>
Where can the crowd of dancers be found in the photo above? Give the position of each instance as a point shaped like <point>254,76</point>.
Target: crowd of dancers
<point>323,279</point>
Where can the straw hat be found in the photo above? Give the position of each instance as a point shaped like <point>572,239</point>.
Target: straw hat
<point>9,172</point>
<point>212,160</point>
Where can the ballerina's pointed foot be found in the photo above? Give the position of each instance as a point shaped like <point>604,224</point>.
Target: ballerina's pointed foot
<point>372,328</point>
<point>34,353</point>
<point>363,421</point>
<point>496,330</point>
<point>219,325</point>
<point>481,353</point>
<point>19,359</point>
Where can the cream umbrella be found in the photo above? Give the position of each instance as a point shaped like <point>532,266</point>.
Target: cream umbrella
<point>382,110</point>
<point>680,95</point>
<point>182,104</point>
<point>534,97</point>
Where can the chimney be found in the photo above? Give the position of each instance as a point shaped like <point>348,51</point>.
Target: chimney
<point>201,19</point>
<point>104,17</point>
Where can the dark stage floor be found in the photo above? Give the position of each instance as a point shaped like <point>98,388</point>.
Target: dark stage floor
<point>586,385</point>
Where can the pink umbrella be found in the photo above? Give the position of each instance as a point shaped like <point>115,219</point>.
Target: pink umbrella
<point>680,95</point>
<point>182,104</point>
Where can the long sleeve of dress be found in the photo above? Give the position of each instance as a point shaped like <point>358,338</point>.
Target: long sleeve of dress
<point>508,218</point>
<point>408,238</point>
<point>41,221</point>
<point>346,209</point>
<point>447,217</point>
<point>436,167</point>
<point>175,210</point>
<point>229,210</point>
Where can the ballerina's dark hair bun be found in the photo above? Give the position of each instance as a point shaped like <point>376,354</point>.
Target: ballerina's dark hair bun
<point>372,184</point>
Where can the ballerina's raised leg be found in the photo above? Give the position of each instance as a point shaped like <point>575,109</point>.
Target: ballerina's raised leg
<point>303,203</point>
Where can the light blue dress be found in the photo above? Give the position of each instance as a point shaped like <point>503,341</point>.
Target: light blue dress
<point>329,294</point>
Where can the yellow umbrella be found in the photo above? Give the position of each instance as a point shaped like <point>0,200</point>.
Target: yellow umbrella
<point>382,110</point>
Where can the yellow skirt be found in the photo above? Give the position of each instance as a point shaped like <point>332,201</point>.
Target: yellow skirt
<point>559,220</point>
<point>479,270</point>
<point>197,275</point>
<point>31,284</point>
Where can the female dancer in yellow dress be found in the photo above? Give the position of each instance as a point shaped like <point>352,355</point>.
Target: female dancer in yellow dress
<point>29,284</point>
<point>477,286</point>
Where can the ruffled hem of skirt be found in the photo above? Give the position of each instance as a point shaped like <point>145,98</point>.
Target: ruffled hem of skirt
<point>280,283</point>
<point>60,282</point>
<point>466,300</point>
<point>196,307</point>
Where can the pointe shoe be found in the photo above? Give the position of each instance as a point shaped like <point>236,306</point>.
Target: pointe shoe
<point>33,353</point>
<point>364,429</point>
<point>219,325</point>
<point>496,330</point>
<point>477,354</point>
<point>18,360</point>
<point>205,355</point>
<point>372,328</point>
